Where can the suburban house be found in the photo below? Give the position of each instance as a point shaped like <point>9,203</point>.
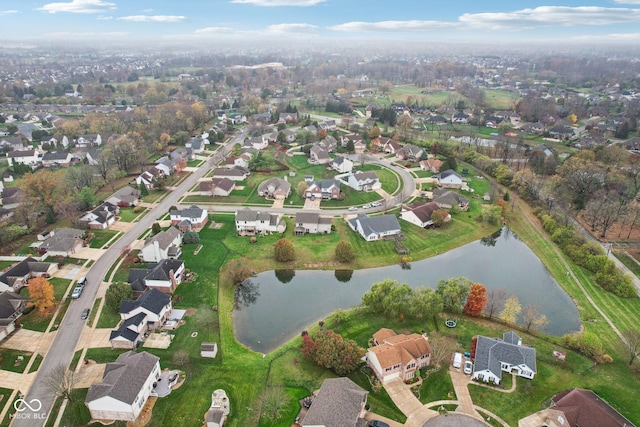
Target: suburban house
<point>533,128</point>
<point>432,165</point>
<point>362,181</point>
<point>398,355</point>
<point>217,187</point>
<point>56,159</point>
<point>319,156</point>
<point>311,223</point>
<point>101,217</point>
<point>167,165</point>
<point>391,146</point>
<point>353,137</point>
<point>250,223</point>
<point>341,164</point>
<point>460,117</point>
<point>12,143</point>
<point>92,157</point>
<point>274,188</point>
<point>155,305</point>
<point>447,199</point>
<point>164,276</point>
<point>419,213</point>
<point>339,403</point>
<point>234,173</point>
<point>329,143</point>
<point>325,189</point>
<point>149,177</point>
<point>196,145</point>
<point>257,142</point>
<point>492,356</point>
<point>449,179</point>
<point>125,387</point>
<point>125,197</point>
<point>26,157</point>
<point>129,333</point>
<point>328,124</point>
<point>19,274</point>
<point>576,407</point>
<point>410,153</point>
<point>164,245</point>
<point>375,227</point>
<point>191,218</point>
<point>359,147</point>
<point>92,140</point>
<point>12,197</point>
<point>11,307</point>
<point>63,242</point>
<point>289,136</point>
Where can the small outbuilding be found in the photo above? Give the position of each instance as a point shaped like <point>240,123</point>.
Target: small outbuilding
<point>208,349</point>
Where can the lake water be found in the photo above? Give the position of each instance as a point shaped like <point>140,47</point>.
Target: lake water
<point>277,311</point>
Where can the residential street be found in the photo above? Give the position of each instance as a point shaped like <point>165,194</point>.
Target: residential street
<point>63,347</point>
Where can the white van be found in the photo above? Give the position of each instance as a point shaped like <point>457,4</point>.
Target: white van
<point>457,360</point>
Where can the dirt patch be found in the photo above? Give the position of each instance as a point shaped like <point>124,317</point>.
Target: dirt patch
<point>190,312</point>
<point>145,415</point>
<point>616,233</point>
<point>215,225</point>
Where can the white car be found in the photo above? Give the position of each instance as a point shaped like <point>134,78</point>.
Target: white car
<point>376,204</point>
<point>468,367</point>
<point>366,207</point>
<point>353,208</point>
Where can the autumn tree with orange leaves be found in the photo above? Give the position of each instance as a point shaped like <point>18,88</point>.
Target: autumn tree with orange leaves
<point>477,300</point>
<point>41,293</point>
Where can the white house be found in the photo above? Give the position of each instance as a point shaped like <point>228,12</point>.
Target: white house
<point>26,157</point>
<point>164,276</point>
<point>362,181</point>
<point>449,179</point>
<point>419,213</point>
<point>492,356</point>
<point>375,227</point>
<point>61,159</point>
<point>101,217</point>
<point>155,305</point>
<point>93,140</point>
<point>125,387</point>
<point>319,156</point>
<point>250,223</point>
<point>129,333</point>
<point>341,164</point>
<point>313,223</point>
<point>217,187</point>
<point>164,245</point>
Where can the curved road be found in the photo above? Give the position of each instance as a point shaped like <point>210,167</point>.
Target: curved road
<point>64,344</point>
<point>63,347</point>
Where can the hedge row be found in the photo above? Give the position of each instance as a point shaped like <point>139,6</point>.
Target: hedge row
<point>590,256</point>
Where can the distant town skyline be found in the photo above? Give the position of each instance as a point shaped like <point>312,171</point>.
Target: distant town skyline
<point>216,21</point>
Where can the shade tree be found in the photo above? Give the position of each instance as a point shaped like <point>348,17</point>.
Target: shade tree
<point>476,300</point>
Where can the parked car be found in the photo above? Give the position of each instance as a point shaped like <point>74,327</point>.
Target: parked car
<point>468,367</point>
<point>377,423</point>
<point>353,208</point>
<point>376,204</point>
<point>85,314</point>
<point>77,291</point>
<point>81,281</point>
<point>367,206</point>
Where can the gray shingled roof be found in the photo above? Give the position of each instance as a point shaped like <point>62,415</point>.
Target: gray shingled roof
<point>448,197</point>
<point>164,238</point>
<point>191,212</point>
<point>491,352</point>
<point>124,331</point>
<point>447,173</point>
<point>152,300</point>
<point>337,404</point>
<point>276,184</point>
<point>376,224</point>
<point>10,302</point>
<point>124,378</point>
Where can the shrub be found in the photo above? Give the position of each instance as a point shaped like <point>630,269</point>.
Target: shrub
<point>138,209</point>
<point>190,237</point>
<point>283,250</point>
<point>344,251</point>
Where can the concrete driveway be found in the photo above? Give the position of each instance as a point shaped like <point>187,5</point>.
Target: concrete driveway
<point>417,414</point>
<point>27,340</point>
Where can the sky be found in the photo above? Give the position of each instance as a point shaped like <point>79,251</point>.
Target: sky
<point>492,21</point>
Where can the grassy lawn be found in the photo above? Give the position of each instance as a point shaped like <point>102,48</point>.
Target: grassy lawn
<point>36,321</point>
<point>14,360</point>
<point>194,163</point>
<point>101,238</point>
<point>436,386</point>
<point>108,318</point>
<point>6,393</point>
<point>127,214</point>
<point>422,174</point>
<point>36,363</point>
<point>154,195</point>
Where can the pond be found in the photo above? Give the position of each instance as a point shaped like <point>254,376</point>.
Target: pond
<point>283,303</point>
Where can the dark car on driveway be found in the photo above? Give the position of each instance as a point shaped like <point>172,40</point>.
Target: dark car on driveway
<point>85,314</point>
<point>376,423</point>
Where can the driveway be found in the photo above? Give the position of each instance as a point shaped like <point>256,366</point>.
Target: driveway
<point>312,204</point>
<point>460,385</point>
<point>417,414</point>
<point>32,341</point>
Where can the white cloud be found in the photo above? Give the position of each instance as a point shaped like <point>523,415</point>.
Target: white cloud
<point>214,30</point>
<point>627,1</point>
<point>291,28</point>
<point>622,37</point>
<point>85,35</point>
<point>79,6</point>
<point>545,16</point>
<point>104,18</point>
<point>392,26</point>
<point>279,2</point>
<point>146,10</point>
<point>153,18</point>
<point>8,12</point>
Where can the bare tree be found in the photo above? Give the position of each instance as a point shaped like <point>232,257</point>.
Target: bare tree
<point>61,382</point>
<point>632,338</point>
<point>495,301</point>
<point>531,318</point>
<point>441,349</point>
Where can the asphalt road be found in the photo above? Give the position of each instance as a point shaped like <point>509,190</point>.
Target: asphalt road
<point>64,344</point>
